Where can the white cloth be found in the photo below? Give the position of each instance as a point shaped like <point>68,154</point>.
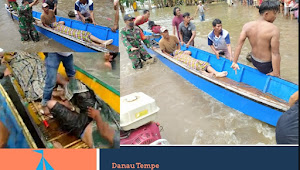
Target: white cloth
<point>65,54</point>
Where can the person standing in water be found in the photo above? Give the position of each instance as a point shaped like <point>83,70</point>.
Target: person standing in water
<point>263,36</point>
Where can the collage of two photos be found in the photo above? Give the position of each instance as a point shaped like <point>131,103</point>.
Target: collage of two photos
<point>105,73</point>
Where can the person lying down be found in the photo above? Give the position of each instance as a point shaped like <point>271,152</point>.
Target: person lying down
<point>48,19</point>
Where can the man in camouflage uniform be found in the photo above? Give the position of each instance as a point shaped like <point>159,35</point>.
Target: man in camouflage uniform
<point>132,38</point>
<point>26,20</point>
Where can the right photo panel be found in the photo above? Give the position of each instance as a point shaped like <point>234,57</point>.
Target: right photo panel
<point>209,72</point>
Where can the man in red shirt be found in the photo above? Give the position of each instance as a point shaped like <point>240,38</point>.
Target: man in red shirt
<point>178,18</point>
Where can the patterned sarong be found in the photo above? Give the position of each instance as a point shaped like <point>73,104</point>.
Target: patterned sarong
<point>190,61</point>
<point>79,34</point>
<point>30,72</point>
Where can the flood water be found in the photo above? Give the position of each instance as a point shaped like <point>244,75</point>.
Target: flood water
<point>190,116</point>
<point>93,63</point>
<point>10,39</point>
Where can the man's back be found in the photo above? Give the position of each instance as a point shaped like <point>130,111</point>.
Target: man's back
<point>260,34</point>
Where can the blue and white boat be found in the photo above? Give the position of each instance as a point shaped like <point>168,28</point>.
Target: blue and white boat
<point>249,91</point>
<point>101,32</point>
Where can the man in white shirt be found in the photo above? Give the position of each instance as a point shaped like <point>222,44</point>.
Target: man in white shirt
<point>84,9</point>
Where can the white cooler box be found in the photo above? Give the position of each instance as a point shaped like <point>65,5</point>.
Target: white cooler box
<point>137,109</point>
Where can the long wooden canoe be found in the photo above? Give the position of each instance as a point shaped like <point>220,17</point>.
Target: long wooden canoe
<point>77,45</point>
<point>249,91</point>
<point>53,132</point>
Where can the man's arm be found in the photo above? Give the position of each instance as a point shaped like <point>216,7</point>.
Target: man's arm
<point>4,134</point>
<point>116,23</point>
<point>196,12</point>
<point>55,6</point>
<point>92,17</point>
<point>126,43</point>
<point>138,19</point>
<point>230,51</point>
<point>275,54</point>
<point>215,51</point>
<point>192,38</point>
<point>294,97</point>
<point>104,129</point>
<point>174,30</point>
<point>239,46</point>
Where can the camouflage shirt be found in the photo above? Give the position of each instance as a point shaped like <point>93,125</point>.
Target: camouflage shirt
<point>25,16</point>
<point>132,38</point>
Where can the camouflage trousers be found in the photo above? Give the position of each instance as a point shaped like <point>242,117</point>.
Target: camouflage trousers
<point>29,31</point>
<point>138,56</point>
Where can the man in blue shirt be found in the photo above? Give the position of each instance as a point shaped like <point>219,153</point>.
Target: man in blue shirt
<point>219,40</point>
<point>84,9</point>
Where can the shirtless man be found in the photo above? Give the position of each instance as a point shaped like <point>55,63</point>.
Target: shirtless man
<point>139,20</point>
<point>263,36</point>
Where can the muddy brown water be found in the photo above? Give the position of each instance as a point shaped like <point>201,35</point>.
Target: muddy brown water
<point>10,39</point>
<point>187,114</point>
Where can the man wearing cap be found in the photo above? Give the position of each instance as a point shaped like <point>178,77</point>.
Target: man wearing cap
<point>26,20</point>
<point>84,9</point>
<point>132,37</point>
<point>48,16</point>
<point>170,46</point>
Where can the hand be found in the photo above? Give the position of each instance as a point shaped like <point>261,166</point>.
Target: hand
<point>235,67</point>
<point>133,49</point>
<point>273,74</point>
<point>114,28</point>
<point>94,23</point>
<point>93,113</point>
<point>181,42</point>
<point>217,54</point>
<point>230,58</point>
<point>187,45</point>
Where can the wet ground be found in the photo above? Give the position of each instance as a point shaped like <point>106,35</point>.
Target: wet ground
<point>190,116</point>
<point>11,39</point>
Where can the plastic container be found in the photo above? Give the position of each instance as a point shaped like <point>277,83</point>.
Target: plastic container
<point>143,135</point>
<point>137,109</point>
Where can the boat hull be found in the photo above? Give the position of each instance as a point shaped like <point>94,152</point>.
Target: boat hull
<point>262,109</point>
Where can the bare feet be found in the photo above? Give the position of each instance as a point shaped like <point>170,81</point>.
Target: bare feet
<point>108,42</point>
<point>57,145</point>
<point>221,74</point>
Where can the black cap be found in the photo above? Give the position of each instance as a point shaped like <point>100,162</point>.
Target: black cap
<point>30,1</point>
<point>128,17</point>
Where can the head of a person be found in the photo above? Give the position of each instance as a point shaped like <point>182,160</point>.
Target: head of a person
<point>268,10</point>
<point>217,25</point>
<point>108,57</point>
<point>82,1</point>
<point>200,2</point>
<point>25,2</point>
<point>146,13</point>
<point>176,11</point>
<point>164,32</point>
<point>129,20</point>
<point>186,17</point>
<point>45,7</point>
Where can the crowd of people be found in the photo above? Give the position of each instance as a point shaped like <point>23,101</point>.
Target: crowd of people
<point>265,54</point>
<point>262,34</point>
<point>83,12</point>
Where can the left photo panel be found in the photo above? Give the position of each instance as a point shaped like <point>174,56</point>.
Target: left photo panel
<point>59,25</point>
<point>59,100</point>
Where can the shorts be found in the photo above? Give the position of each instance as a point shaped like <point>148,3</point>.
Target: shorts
<point>75,123</point>
<point>264,67</point>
